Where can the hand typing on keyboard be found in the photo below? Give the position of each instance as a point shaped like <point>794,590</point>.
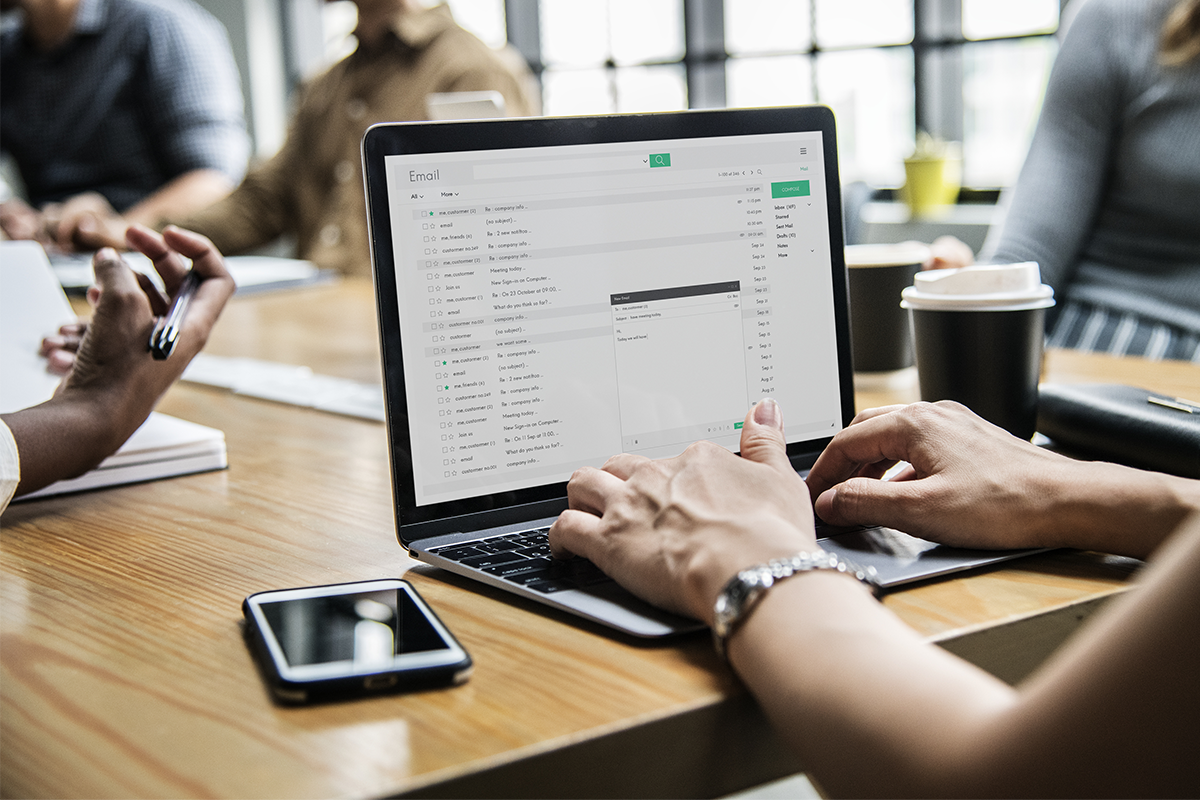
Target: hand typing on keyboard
<point>674,531</point>
<point>845,681</point>
<point>524,558</point>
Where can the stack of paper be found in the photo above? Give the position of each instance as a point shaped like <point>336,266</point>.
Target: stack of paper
<point>32,305</point>
<point>285,383</point>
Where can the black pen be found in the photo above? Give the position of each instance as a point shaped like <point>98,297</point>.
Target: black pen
<point>166,332</point>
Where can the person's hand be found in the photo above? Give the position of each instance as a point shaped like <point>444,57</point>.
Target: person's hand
<point>112,355</point>
<point>947,252</point>
<point>114,382</point>
<point>59,349</point>
<point>19,221</point>
<point>84,222</point>
<point>675,531</point>
<point>968,483</point>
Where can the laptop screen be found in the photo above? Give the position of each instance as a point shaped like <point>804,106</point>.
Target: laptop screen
<point>558,302</point>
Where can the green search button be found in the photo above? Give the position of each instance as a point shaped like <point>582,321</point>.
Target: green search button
<point>660,160</point>
<point>789,189</point>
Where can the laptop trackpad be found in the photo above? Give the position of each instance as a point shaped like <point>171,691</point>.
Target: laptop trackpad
<point>900,558</point>
<point>610,604</point>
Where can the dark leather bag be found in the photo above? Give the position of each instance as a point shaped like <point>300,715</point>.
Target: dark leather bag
<point>1124,424</point>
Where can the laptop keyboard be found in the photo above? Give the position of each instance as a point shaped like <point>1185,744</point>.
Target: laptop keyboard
<point>524,558</point>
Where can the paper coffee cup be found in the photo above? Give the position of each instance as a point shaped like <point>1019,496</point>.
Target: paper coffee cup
<point>880,334</point>
<point>978,334</point>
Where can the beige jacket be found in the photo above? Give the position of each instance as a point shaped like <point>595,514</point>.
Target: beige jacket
<point>313,187</point>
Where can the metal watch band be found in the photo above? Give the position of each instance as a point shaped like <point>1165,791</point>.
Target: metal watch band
<point>744,590</point>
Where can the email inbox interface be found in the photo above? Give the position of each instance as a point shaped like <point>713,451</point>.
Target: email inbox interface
<point>559,305</point>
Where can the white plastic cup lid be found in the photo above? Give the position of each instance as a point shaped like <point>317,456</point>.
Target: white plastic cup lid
<point>984,287</point>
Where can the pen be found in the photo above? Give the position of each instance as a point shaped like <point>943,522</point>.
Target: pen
<point>1178,404</point>
<point>166,332</point>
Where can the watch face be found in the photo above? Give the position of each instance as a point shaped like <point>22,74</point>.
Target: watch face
<point>749,584</point>
<point>738,597</point>
<point>725,613</point>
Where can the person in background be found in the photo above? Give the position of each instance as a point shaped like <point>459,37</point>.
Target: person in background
<point>870,707</point>
<point>114,382</point>
<point>116,112</point>
<point>312,188</point>
<point>1106,202</point>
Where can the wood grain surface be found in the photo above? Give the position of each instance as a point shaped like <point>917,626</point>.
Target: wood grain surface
<point>123,672</point>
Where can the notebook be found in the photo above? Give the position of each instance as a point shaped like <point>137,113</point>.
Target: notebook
<point>553,291</point>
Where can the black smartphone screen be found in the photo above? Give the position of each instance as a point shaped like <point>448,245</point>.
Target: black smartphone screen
<point>340,640</point>
<point>365,628</point>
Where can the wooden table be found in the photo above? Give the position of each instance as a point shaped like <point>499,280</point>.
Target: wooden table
<point>124,672</point>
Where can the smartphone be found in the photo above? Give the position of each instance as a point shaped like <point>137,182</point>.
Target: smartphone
<point>350,639</point>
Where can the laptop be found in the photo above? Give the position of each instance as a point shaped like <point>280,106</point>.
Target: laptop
<point>552,291</point>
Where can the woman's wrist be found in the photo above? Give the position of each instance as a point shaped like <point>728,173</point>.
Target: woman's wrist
<point>818,600</point>
<point>1116,509</point>
<point>742,593</point>
<point>749,543</point>
<point>103,417</point>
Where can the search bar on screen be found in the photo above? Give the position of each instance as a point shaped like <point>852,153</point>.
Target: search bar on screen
<point>568,166</point>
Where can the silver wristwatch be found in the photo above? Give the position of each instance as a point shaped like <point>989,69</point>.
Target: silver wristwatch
<point>745,589</point>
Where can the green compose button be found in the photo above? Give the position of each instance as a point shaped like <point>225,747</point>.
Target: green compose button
<point>789,189</point>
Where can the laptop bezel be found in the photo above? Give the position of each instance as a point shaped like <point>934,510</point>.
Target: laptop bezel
<point>484,512</point>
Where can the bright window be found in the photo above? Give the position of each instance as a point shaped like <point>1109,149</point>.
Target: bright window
<point>858,23</point>
<point>615,56</point>
<point>972,71</point>
<point>484,18</point>
<point>871,94</point>
<point>988,19</point>
<point>1003,85</point>
<point>768,81</point>
<point>767,26</point>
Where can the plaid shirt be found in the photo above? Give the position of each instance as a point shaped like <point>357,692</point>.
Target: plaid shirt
<point>143,92</point>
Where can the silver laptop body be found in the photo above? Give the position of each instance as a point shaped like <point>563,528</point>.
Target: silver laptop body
<point>552,291</point>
